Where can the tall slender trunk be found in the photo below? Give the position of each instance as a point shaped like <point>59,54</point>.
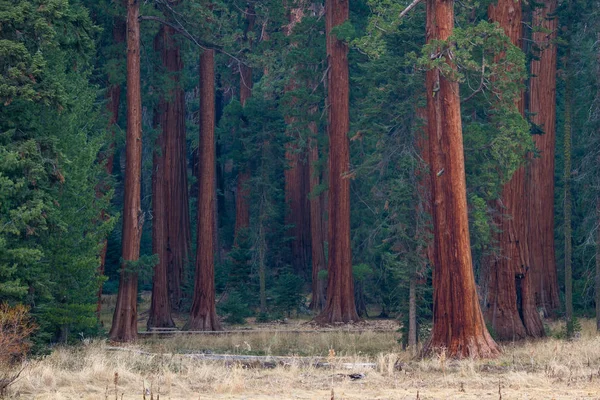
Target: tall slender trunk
<point>203,315</point>
<point>540,186</point>
<point>340,305</point>
<point>124,325</point>
<point>242,198</point>
<point>458,324</point>
<point>567,193</point>
<point>509,306</point>
<point>113,95</point>
<point>597,285</point>
<point>296,174</point>
<point>316,225</point>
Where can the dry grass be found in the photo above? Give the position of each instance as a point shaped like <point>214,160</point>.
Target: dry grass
<point>547,369</point>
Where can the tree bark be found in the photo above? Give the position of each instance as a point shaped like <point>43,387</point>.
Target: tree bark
<point>175,159</point>
<point>412,314</point>
<point>108,158</point>
<point>316,225</point>
<point>540,186</point>
<point>458,325</point>
<point>160,307</point>
<point>509,307</point>
<point>203,315</point>
<point>340,306</point>
<point>124,325</point>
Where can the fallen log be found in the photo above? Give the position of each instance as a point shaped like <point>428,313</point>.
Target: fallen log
<point>252,361</point>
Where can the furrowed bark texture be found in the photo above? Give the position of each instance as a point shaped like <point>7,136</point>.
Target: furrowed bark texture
<point>242,206</point>
<point>172,122</point>
<point>297,179</point>
<point>114,100</point>
<point>458,324</point>
<point>316,226</point>
<point>340,306</point>
<point>540,185</point>
<point>124,324</point>
<point>160,306</point>
<point>203,315</point>
<point>509,307</point>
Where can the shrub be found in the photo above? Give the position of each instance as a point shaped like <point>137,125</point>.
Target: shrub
<point>16,327</point>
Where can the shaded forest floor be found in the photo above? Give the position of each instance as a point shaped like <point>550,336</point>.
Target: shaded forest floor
<point>173,367</point>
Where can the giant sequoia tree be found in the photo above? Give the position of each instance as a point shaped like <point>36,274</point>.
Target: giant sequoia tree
<point>540,184</point>
<point>458,324</point>
<point>124,324</point>
<point>510,306</point>
<point>203,315</point>
<point>340,306</point>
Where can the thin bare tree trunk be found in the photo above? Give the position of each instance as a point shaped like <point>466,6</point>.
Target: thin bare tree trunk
<point>412,314</point>
<point>242,206</point>
<point>203,315</point>
<point>124,325</point>
<point>108,158</point>
<point>458,325</point>
<point>340,306</point>
<point>316,226</point>
<point>567,210</point>
<point>597,286</point>
<point>540,186</point>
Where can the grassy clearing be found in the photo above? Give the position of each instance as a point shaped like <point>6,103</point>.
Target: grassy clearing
<point>546,369</point>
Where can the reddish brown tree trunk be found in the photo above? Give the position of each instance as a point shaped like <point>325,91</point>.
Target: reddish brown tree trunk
<point>172,123</point>
<point>540,186</point>
<point>160,307</point>
<point>114,99</point>
<point>509,307</point>
<point>124,324</point>
<point>340,306</point>
<point>242,206</point>
<point>458,324</point>
<point>203,315</point>
<point>316,225</point>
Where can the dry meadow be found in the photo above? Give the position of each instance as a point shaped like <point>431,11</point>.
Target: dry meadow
<point>170,368</point>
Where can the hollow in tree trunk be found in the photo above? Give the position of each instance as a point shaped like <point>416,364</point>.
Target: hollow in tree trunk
<point>203,315</point>
<point>124,324</point>
<point>509,307</point>
<point>458,324</point>
<point>540,184</point>
<point>340,306</point>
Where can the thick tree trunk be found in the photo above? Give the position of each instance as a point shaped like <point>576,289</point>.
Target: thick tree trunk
<point>458,325</point>
<point>114,100</point>
<point>340,306</point>
<point>160,307</point>
<point>172,123</point>
<point>242,198</point>
<point>124,325</point>
<point>540,186</point>
<point>509,307</point>
<point>203,315</point>
<point>316,226</point>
